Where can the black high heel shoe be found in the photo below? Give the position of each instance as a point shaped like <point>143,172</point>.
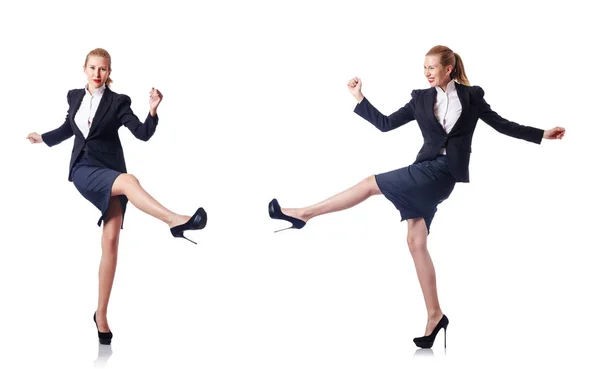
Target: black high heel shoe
<point>103,337</point>
<point>427,341</point>
<point>197,221</point>
<point>275,213</point>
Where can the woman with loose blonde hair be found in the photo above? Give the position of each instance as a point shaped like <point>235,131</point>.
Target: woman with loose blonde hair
<point>97,167</point>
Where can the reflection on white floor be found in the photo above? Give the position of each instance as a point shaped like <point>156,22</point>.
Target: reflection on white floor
<point>104,353</point>
<point>425,353</point>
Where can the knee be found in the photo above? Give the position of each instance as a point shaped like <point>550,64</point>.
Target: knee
<point>371,185</point>
<point>110,241</point>
<point>130,180</point>
<point>416,244</point>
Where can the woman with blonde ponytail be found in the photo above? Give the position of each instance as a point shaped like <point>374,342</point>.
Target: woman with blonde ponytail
<point>447,113</point>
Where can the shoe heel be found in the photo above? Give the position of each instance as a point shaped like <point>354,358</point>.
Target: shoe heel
<point>181,235</point>
<point>445,337</point>
<point>283,229</point>
<point>189,239</point>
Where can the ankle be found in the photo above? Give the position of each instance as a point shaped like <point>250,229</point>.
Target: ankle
<point>173,220</point>
<point>434,314</point>
<point>305,214</point>
<point>292,212</point>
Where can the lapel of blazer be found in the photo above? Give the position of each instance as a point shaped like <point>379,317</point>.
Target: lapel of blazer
<point>430,96</point>
<point>463,97</point>
<point>101,111</point>
<point>75,104</point>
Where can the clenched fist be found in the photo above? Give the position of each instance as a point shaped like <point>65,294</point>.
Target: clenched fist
<point>155,99</point>
<point>34,138</point>
<point>554,133</point>
<point>354,86</point>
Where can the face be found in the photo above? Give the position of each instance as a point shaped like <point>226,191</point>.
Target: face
<point>97,71</point>
<point>435,73</point>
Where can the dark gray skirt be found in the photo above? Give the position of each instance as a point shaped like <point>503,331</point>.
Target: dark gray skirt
<point>418,189</point>
<point>95,184</point>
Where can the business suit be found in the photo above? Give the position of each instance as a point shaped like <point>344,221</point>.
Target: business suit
<point>418,189</point>
<point>100,154</point>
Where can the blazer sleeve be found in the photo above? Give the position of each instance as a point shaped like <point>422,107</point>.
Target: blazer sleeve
<point>63,132</point>
<point>387,123</point>
<point>142,131</point>
<point>505,126</point>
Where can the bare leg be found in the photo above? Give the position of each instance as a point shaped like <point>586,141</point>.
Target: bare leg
<point>343,200</point>
<point>108,263</point>
<point>417,244</point>
<point>128,185</point>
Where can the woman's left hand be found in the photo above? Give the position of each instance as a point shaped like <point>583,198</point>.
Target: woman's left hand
<point>155,99</point>
<point>554,133</point>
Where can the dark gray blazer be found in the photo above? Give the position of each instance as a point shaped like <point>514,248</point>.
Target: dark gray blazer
<point>102,144</point>
<point>458,141</point>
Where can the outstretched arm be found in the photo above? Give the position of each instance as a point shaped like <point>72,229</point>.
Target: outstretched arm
<point>505,126</point>
<point>55,136</point>
<point>142,131</point>
<point>371,114</point>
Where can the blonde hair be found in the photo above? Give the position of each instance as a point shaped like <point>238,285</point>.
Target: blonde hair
<point>449,57</point>
<point>103,54</point>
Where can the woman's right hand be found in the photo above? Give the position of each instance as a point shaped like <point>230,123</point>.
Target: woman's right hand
<point>34,138</point>
<point>354,86</point>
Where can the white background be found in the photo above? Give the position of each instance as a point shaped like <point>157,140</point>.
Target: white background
<point>255,107</point>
